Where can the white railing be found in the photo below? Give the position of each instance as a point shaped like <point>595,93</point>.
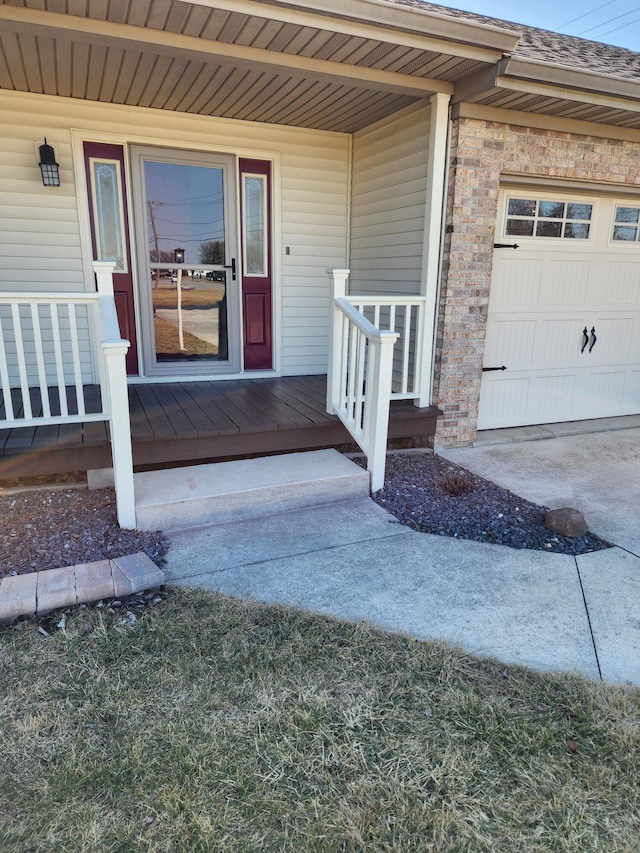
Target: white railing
<point>53,348</point>
<point>404,315</point>
<point>359,378</point>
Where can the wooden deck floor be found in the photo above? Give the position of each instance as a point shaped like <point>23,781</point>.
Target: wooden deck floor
<point>179,423</point>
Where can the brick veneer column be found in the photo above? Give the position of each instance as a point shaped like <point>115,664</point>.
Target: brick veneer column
<point>480,152</point>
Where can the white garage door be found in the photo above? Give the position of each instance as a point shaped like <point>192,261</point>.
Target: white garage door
<point>564,311</point>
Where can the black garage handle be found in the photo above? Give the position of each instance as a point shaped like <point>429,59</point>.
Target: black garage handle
<point>586,339</point>
<point>593,338</point>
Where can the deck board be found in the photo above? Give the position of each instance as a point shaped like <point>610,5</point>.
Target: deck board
<point>179,422</point>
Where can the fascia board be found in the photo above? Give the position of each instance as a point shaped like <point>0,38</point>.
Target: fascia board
<point>571,78</point>
<point>367,18</point>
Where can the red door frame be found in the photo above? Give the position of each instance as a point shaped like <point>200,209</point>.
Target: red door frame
<point>257,297</point>
<point>122,281</point>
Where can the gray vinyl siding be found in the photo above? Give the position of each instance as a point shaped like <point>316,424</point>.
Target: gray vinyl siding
<point>389,183</point>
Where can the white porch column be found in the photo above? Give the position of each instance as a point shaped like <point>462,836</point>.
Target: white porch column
<point>337,287</point>
<point>434,210</point>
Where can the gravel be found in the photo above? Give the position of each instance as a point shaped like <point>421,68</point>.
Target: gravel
<point>432,495</point>
<point>47,529</point>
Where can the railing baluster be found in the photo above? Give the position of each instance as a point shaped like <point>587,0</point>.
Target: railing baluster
<point>75,349</point>
<point>42,373</point>
<point>405,348</point>
<point>4,377</point>
<point>59,360</point>
<point>22,364</point>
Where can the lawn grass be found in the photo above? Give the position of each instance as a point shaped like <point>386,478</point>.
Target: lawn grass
<point>217,725</point>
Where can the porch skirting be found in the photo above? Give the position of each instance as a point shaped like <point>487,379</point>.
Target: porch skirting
<point>184,423</point>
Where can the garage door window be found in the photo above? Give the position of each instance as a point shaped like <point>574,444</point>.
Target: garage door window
<point>626,227</point>
<point>530,217</point>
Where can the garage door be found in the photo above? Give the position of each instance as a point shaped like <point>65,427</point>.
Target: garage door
<point>563,332</point>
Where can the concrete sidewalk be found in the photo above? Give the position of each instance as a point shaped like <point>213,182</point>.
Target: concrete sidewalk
<point>353,560</point>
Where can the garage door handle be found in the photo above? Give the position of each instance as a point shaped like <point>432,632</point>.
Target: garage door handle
<point>506,246</point>
<point>489,369</point>
<point>586,339</point>
<point>593,338</point>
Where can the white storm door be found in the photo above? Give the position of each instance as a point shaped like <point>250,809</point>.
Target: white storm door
<point>564,314</point>
<point>189,290</point>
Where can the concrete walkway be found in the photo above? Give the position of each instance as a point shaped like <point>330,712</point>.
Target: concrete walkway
<point>352,560</point>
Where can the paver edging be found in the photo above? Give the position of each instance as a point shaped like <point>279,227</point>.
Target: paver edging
<point>41,592</point>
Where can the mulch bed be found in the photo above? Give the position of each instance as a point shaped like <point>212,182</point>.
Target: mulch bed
<point>48,529</point>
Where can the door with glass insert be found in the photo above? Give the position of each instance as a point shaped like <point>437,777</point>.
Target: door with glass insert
<point>189,291</point>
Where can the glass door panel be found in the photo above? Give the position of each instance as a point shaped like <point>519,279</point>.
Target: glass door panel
<point>189,269</point>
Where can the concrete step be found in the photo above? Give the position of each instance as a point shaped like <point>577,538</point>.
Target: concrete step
<point>179,498</point>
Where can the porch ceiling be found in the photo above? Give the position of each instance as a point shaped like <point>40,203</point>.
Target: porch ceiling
<point>234,58</point>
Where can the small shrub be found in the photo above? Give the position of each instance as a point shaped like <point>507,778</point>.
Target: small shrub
<point>455,483</point>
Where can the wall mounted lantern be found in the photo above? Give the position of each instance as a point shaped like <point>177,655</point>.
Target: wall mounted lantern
<point>178,255</point>
<point>48,166</point>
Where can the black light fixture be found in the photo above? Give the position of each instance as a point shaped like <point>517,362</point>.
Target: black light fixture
<point>178,255</point>
<point>48,166</point>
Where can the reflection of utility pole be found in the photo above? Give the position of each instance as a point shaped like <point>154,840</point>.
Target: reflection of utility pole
<point>152,205</point>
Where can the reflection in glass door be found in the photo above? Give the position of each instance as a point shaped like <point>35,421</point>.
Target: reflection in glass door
<point>189,277</point>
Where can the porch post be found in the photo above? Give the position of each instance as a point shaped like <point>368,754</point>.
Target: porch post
<point>378,401</point>
<point>113,382</point>
<point>434,209</point>
<point>337,287</point>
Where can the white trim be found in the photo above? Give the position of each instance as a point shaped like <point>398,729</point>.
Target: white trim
<point>431,249</point>
<point>264,179</point>
<point>213,377</point>
<point>107,161</point>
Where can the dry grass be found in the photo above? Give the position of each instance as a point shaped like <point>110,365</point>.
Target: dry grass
<point>209,297</point>
<point>215,725</point>
<point>168,342</point>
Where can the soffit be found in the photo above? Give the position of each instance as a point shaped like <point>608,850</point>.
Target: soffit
<point>96,50</point>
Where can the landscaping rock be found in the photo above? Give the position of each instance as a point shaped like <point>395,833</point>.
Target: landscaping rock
<point>566,522</point>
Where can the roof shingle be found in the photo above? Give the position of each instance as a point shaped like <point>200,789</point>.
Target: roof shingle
<point>548,46</point>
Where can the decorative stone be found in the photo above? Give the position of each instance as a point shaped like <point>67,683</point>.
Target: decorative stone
<point>566,522</point>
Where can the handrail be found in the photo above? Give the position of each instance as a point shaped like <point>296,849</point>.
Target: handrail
<point>359,381</point>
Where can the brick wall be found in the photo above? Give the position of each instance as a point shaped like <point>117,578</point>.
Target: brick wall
<point>480,152</point>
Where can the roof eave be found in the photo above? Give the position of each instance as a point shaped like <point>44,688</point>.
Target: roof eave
<point>381,14</point>
<point>555,80</point>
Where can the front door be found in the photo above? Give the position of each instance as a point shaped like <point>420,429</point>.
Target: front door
<point>189,281</point>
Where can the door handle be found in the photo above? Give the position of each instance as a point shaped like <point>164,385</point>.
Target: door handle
<point>593,338</point>
<point>490,369</point>
<point>506,246</point>
<point>232,267</point>
<point>586,339</point>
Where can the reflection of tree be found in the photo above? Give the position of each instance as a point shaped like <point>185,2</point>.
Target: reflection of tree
<point>522,207</point>
<point>211,252</point>
<point>165,257</point>
<point>551,209</point>
<point>627,214</point>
